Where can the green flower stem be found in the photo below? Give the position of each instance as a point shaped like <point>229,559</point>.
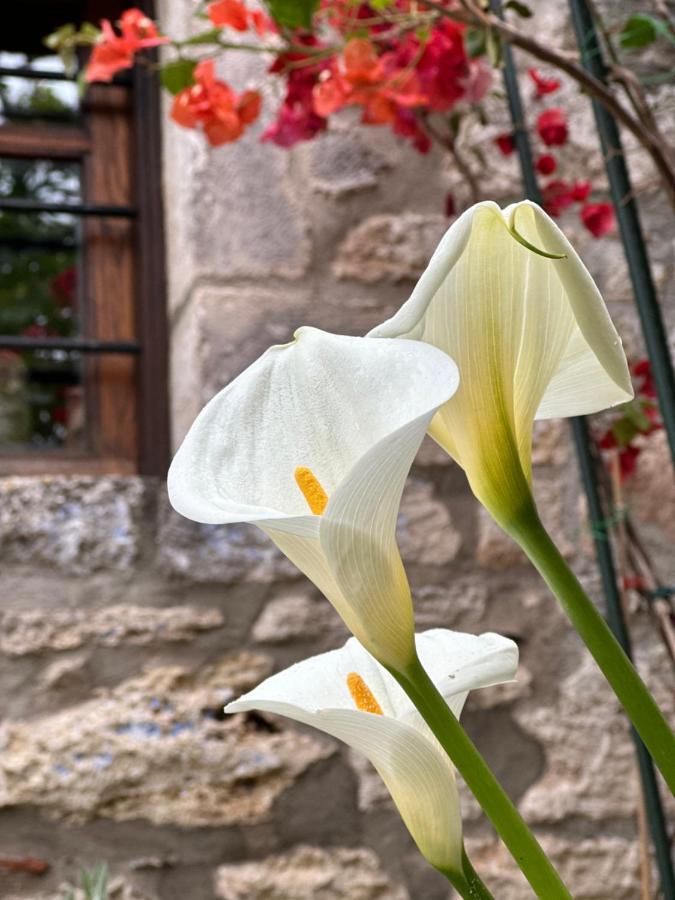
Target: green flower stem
<point>467,883</point>
<point>617,668</point>
<point>496,804</point>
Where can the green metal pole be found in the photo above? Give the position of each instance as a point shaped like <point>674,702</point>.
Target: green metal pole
<point>588,471</point>
<point>629,223</point>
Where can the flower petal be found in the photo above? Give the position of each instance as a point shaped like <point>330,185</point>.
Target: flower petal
<point>321,401</point>
<point>352,410</point>
<point>523,329</point>
<point>458,663</point>
<point>358,536</point>
<point>320,682</point>
<point>592,374</point>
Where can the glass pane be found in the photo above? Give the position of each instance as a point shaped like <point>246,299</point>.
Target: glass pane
<point>36,99</point>
<point>41,393</point>
<point>41,401</point>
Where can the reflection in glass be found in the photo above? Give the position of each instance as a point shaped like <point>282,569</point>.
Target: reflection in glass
<point>36,99</point>
<point>41,393</point>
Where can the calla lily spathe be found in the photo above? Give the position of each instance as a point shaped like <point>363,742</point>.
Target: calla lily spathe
<point>348,695</point>
<point>529,332</point>
<point>333,417</point>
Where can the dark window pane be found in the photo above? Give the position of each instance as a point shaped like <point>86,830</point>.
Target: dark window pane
<point>41,401</point>
<point>41,394</point>
<point>36,99</point>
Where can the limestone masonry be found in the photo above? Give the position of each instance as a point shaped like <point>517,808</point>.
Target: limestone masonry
<point>125,628</point>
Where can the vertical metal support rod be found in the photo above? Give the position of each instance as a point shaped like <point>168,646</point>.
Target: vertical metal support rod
<point>617,622</point>
<point>629,223</point>
<point>588,472</point>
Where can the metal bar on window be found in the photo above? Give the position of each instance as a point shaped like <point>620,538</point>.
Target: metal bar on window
<point>15,113</point>
<point>75,209</point>
<point>588,470</point>
<point>25,242</point>
<point>81,345</point>
<point>36,74</point>
<point>634,246</point>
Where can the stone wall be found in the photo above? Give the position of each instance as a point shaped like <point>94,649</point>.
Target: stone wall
<point>125,628</point>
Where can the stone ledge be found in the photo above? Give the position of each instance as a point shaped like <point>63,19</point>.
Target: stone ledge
<point>309,873</point>
<point>78,525</point>
<point>36,630</point>
<point>157,747</point>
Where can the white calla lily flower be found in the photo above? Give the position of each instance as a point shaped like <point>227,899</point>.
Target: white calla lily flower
<point>507,297</point>
<point>350,696</point>
<point>313,443</point>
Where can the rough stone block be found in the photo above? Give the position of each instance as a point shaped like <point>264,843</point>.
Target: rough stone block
<point>232,211</point>
<point>309,873</point>
<point>590,758</point>
<point>78,525</point>
<point>389,248</point>
<point>460,603</point>
<point>218,553</point>
<point>157,747</point>
<point>292,617</point>
<point>35,630</point>
<point>340,164</point>
<point>220,332</point>
<point>597,868</point>
<point>550,442</point>
<point>425,532</point>
<point>651,491</point>
<point>118,888</point>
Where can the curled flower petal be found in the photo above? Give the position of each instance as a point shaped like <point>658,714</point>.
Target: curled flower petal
<point>351,410</point>
<point>392,735</point>
<point>530,334</point>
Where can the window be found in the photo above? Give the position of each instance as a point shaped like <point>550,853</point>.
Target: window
<point>82,316</point>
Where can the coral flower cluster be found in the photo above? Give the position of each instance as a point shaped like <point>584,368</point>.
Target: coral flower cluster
<point>115,52</point>
<point>418,81</point>
<point>213,105</point>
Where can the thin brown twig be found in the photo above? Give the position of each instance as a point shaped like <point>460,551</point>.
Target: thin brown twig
<point>448,142</point>
<point>623,75</point>
<point>653,143</point>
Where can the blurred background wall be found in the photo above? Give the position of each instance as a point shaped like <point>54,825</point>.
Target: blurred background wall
<point>125,628</point>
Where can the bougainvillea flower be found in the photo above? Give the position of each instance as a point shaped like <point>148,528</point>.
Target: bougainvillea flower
<point>313,443</point>
<point>478,81</point>
<point>234,14</point>
<point>558,196</point>
<point>297,120</point>
<point>642,371</point>
<point>407,125</point>
<point>114,52</point>
<point>580,191</point>
<point>443,67</point>
<point>546,164</point>
<point>598,218</point>
<point>347,694</point>
<point>552,127</point>
<point>505,143</point>
<point>363,78</point>
<point>214,105</point>
<point>508,298</point>
<point>542,84</point>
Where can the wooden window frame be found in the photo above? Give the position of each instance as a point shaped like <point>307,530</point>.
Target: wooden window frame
<point>119,148</point>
